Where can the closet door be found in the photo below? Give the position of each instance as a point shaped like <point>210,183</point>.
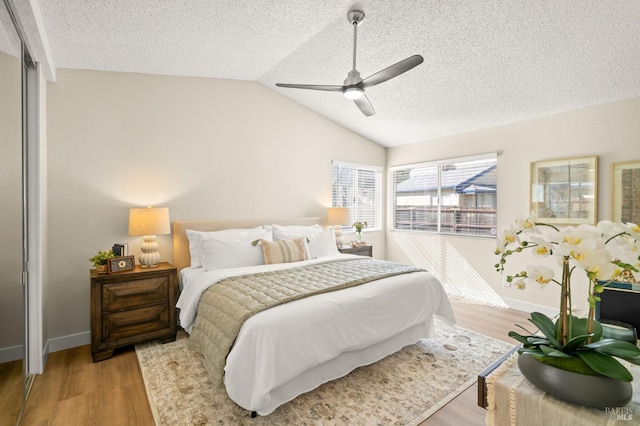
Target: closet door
<point>12,299</point>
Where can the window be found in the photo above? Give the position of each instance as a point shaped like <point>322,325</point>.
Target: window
<point>455,196</point>
<point>358,187</point>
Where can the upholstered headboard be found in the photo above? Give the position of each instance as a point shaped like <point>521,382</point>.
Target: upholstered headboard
<point>181,255</point>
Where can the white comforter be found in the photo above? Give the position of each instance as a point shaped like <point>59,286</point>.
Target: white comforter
<point>283,344</point>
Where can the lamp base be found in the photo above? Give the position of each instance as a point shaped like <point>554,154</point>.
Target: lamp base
<point>150,256</point>
<point>339,238</point>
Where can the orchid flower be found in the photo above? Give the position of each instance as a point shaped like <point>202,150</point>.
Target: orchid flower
<point>541,274</point>
<point>543,248</point>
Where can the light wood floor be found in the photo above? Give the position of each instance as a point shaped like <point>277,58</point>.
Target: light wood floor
<point>75,391</point>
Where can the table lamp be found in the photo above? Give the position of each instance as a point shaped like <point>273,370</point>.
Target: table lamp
<point>149,222</point>
<point>337,217</point>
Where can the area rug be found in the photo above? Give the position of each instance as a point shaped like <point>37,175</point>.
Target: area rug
<point>403,389</point>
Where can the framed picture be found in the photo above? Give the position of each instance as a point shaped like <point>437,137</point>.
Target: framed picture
<point>625,192</point>
<point>565,192</point>
<point>121,264</point>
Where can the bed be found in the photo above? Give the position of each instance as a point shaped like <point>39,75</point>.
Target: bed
<point>292,348</point>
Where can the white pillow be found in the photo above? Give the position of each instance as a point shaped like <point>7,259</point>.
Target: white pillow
<point>232,252</point>
<point>291,232</point>
<point>195,238</point>
<point>323,244</point>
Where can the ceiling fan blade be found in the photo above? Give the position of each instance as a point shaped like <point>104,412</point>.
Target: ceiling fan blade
<point>392,71</point>
<point>364,105</point>
<point>325,87</point>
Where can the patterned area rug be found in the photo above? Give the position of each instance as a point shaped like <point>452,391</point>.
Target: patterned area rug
<point>403,389</point>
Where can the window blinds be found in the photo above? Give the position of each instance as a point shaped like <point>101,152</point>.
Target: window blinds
<point>358,187</point>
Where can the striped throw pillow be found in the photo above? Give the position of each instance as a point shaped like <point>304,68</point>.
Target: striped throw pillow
<point>284,251</point>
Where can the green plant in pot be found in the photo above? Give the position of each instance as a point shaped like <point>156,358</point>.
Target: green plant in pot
<point>100,260</point>
<point>570,356</point>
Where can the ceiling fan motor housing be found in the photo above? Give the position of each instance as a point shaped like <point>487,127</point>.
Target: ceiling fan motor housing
<point>355,16</point>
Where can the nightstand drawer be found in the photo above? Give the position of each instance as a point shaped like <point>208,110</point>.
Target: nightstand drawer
<point>134,322</point>
<point>133,294</point>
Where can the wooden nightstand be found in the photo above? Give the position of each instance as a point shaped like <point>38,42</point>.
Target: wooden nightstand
<point>360,251</point>
<point>132,307</point>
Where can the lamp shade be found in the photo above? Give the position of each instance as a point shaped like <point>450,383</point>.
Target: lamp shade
<point>338,216</point>
<point>149,221</point>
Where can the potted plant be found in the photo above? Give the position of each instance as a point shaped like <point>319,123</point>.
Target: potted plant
<point>100,260</point>
<point>571,344</point>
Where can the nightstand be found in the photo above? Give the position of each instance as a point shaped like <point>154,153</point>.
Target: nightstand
<point>132,307</point>
<point>360,251</point>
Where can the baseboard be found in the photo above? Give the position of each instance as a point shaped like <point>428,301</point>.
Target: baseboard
<point>69,341</point>
<point>530,307</point>
<point>15,353</point>
<point>11,353</point>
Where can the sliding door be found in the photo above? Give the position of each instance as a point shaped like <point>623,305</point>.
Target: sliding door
<point>12,296</point>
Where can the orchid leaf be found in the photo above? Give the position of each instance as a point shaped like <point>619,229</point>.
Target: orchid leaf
<point>520,338</point>
<point>579,327</point>
<point>574,343</point>
<point>615,347</point>
<point>536,341</point>
<point>634,360</point>
<point>553,352</point>
<point>546,326</point>
<point>530,351</point>
<point>605,365</point>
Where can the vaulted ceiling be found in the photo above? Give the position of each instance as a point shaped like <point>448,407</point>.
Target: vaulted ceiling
<point>486,63</point>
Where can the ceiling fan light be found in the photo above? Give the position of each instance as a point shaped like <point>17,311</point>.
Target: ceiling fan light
<point>353,93</point>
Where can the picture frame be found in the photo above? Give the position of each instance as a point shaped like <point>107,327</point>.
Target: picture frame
<point>625,192</point>
<point>565,191</point>
<point>120,264</point>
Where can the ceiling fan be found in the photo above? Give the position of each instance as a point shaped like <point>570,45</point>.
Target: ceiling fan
<point>354,86</point>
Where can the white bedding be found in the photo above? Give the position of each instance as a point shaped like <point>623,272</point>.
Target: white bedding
<point>292,348</point>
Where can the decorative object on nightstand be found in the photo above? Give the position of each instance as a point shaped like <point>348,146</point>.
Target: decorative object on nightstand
<point>149,222</point>
<point>121,264</point>
<point>338,216</point>
<point>363,250</point>
<point>100,261</point>
<point>359,226</point>
<point>132,307</point>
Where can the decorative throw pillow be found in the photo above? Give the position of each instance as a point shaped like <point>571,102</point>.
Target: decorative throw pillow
<point>284,251</point>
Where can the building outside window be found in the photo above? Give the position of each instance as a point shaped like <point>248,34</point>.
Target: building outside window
<point>455,196</point>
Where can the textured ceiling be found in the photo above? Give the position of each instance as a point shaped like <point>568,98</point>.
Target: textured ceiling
<point>486,62</point>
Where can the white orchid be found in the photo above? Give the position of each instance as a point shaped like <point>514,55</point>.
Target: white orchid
<point>542,248</point>
<point>509,236</point>
<point>634,229</point>
<point>604,252</point>
<point>540,274</point>
<point>597,264</point>
<point>528,225</point>
<point>521,284</point>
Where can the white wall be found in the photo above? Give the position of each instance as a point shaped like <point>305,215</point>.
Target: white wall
<point>205,148</point>
<point>610,131</point>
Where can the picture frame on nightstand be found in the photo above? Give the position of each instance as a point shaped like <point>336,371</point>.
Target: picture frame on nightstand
<point>120,264</point>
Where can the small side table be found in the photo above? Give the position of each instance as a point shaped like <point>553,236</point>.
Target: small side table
<point>360,251</point>
<point>132,307</point>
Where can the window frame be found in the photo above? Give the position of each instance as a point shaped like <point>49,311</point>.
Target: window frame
<point>391,191</point>
<point>353,213</point>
